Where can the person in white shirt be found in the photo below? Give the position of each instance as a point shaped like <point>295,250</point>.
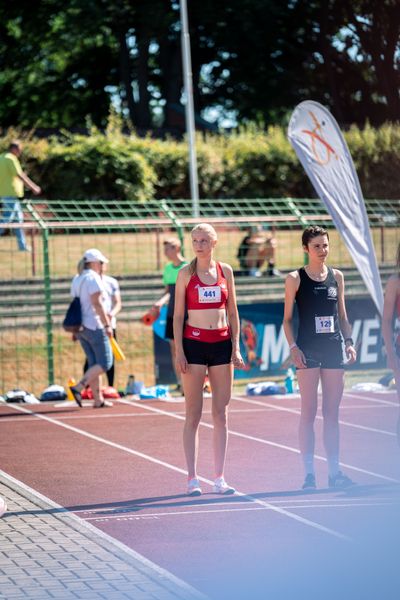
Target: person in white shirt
<point>96,331</point>
<point>112,305</point>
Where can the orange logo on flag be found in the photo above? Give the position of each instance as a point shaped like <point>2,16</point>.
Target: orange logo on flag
<point>321,149</point>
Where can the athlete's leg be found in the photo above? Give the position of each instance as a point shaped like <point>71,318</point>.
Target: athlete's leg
<point>397,380</point>
<point>332,381</point>
<point>192,381</point>
<point>221,378</point>
<point>308,380</point>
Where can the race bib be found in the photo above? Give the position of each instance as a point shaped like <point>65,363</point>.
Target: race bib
<point>324,325</point>
<point>209,294</point>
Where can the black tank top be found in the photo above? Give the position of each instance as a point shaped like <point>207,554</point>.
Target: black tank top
<point>318,311</point>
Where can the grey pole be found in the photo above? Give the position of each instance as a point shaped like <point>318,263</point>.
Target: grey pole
<point>189,109</point>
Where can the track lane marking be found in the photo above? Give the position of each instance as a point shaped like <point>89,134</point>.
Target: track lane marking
<point>205,511</point>
<point>264,441</point>
<point>378,400</point>
<point>319,417</point>
<point>248,497</point>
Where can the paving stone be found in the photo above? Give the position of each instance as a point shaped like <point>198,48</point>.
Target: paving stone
<point>49,553</point>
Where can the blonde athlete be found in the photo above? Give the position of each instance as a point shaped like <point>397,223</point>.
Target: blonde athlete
<point>318,291</point>
<point>391,311</point>
<point>209,340</point>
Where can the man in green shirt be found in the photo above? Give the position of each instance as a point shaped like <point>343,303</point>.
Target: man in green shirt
<point>12,181</point>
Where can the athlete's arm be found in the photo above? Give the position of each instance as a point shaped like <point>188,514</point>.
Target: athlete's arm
<point>233,316</point>
<point>163,300</point>
<point>179,316</point>
<point>344,324</point>
<point>387,321</point>
<point>291,286</point>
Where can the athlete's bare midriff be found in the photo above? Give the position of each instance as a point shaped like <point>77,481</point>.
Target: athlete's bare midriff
<point>208,318</point>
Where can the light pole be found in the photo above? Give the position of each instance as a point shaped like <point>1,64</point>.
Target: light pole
<point>189,109</point>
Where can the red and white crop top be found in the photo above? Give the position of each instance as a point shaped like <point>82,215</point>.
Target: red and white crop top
<point>199,295</point>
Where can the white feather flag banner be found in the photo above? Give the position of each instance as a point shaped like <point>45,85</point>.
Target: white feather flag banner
<point>323,152</point>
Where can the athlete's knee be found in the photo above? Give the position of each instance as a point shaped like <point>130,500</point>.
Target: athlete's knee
<point>192,420</point>
<point>219,415</point>
<point>330,413</point>
<point>307,417</point>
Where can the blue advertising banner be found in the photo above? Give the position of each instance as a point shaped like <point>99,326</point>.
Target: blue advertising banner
<point>263,343</point>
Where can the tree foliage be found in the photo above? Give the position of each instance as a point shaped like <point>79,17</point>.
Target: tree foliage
<point>64,62</point>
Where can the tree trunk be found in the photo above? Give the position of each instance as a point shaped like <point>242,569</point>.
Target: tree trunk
<point>143,111</point>
<point>171,84</point>
<point>126,77</point>
<point>325,43</point>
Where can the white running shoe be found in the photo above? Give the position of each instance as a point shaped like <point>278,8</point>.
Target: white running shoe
<point>193,487</point>
<point>3,506</point>
<point>221,487</point>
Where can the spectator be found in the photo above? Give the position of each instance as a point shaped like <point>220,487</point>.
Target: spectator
<point>255,249</point>
<point>172,250</point>
<point>96,330</point>
<point>112,305</point>
<point>12,181</point>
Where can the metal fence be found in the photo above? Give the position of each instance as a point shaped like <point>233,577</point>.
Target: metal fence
<point>35,351</point>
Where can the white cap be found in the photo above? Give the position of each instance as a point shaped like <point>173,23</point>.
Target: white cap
<point>94,255</point>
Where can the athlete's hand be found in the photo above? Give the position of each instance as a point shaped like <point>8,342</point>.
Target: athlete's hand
<point>237,360</point>
<point>181,362</point>
<point>298,358</point>
<point>351,354</point>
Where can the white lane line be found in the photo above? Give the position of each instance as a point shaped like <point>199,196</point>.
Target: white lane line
<point>162,463</point>
<point>377,400</point>
<point>102,539</point>
<point>296,411</point>
<point>264,441</point>
<point>239,503</point>
<point>80,416</point>
<point>201,511</point>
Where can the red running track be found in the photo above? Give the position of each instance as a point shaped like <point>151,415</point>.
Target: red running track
<point>122,470</point>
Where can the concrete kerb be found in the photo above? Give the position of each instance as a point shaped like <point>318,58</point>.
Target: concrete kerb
<point>155,582</point>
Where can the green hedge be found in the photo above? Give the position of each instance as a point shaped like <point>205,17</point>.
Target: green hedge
<point>251,163</point>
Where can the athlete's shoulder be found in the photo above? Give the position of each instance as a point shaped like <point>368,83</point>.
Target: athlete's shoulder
<point>184,273</point>
<point>393,283</point>
<point>226,268</point>
<point>338,275</point>
<point>293,275</point>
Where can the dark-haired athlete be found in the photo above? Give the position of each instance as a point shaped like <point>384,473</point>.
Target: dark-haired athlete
<point>317,353</point>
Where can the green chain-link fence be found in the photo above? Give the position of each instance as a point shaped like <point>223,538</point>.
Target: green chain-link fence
<point>35,351</point>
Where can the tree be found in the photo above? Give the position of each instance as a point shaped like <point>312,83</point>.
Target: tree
<point>61,62</point>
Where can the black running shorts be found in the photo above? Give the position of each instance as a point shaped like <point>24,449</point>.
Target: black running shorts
<point>207,353</point>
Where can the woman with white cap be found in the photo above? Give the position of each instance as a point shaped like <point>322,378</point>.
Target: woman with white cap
<point>96,331</point>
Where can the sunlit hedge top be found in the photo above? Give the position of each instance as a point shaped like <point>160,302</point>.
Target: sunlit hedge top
<point>250,163</point>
